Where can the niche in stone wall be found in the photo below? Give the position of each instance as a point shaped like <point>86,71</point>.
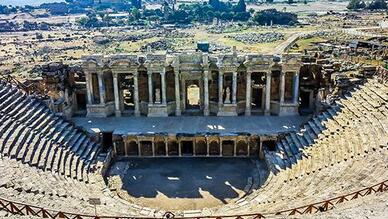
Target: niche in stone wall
<point>275,83</point>
<point>108,80</point>
<point>288,88</point>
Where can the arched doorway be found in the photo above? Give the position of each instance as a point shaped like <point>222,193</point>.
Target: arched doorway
<point>214,148</point>
<point>200,148</point>
<point>193,97</point>
<point>242,148</point>
<point>132,149</point>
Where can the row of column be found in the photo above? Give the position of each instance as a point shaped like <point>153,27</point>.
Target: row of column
<point>101,87</point>
<point>178,110</point>
<point>116,91</point>
<point>180,145</point>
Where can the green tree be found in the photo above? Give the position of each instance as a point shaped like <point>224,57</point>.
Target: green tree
<point>277,17</point>
<point>377,4</point>
<point>356,4</point>
<point>241,6</point>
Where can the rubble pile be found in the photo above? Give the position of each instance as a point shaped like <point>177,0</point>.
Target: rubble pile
<point>10,26</point>
<point>219,29</point>
<point>215,47</point>
<point>250,38</point>
<point>177,34</point>
<point>158,45</point>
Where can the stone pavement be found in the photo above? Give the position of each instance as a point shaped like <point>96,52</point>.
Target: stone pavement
<point>260,125</point>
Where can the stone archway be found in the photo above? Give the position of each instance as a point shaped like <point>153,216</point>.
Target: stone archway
<point>228,148</point>
<point>214,148</point>
<point>242,148</point>
<point>132,148</point>
<point>201,148</point>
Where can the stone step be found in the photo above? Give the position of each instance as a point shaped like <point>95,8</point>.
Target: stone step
<point>18,140</point>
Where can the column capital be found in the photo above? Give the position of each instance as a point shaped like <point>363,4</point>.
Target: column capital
<point>282,73</point>
<point>268,73</point>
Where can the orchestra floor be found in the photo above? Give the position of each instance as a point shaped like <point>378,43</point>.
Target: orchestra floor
<point>185,183</point>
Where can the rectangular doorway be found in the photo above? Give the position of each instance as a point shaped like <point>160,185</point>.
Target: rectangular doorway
<point>187,148</point>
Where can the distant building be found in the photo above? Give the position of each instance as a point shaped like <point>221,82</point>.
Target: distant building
<point>107,2</point>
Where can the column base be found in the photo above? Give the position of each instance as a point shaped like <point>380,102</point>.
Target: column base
<point>178,112</point>
<point>156,110</point>
<point>100,110</point>
<point>227,110</point>
<point>248,112</point>
<point>137,113</point>
<point>206,112</point>
<point>118,113</point>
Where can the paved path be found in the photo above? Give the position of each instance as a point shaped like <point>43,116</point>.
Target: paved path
<point>192,125</point>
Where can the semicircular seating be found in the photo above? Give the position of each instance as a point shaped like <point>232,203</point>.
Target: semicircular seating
<point>31,133</point>
<point>338,151</point>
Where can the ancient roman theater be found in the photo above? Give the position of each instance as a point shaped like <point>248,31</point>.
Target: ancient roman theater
<point>191,135</point>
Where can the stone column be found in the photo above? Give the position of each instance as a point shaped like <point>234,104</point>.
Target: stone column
<point>114,148</point>
<point>139,148</point>
<point>177,94</point>
<point>150,88</point>
<point>268,94</point>
<point>220,147</point>
<point>153,147</point>
<point>234,88</point>
<point>261,154</point>
<point>248,98</point>
<point>183,86</point>
<point>207,148</point>
<point>206,93</point>
<point>282,87</point>
<point>194,148</point>
<point>136,94</point>
<point>295,96</point>
<point>179,149</point>
<point>248,148</point>
<point>166,145</point>
<point>116,94</point>
<point>89,87</point>
<point>235,148</point>
<point>126,148</point>
<point>164,95</point>
<point>101,86</point>
<point>220,89</point>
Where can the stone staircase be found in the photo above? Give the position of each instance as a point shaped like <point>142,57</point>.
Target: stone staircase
<point>31,133</point>
<point>341,150</point>
<point>355,125</point>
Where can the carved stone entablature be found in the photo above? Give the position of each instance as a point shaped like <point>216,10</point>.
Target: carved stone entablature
<point>227,63</point>
<point>93,63</point>
<point>191,62</point>
<point>258,63</point>
<point>124,63</point>
<point>291,62</point>
<point>155,63</point>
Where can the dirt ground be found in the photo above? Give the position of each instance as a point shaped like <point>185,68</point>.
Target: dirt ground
<point>183,183</point>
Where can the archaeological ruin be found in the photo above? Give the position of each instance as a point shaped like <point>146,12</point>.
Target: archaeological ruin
<point>98,135</point>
